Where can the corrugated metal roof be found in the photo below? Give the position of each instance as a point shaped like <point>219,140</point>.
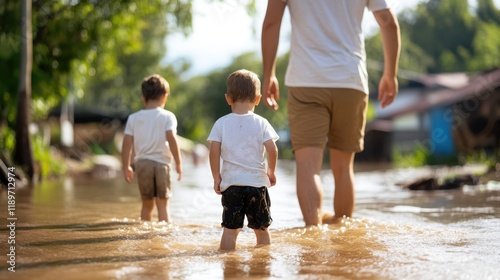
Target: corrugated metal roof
<point>479,86</point>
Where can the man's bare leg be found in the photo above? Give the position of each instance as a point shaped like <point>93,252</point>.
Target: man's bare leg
<point>342,164</point>
<point>309,188</point>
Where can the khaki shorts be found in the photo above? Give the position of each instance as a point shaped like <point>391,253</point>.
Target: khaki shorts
<point>320,115</point>
<point>153,178</point>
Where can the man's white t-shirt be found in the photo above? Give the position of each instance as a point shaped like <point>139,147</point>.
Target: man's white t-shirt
<point>149,127</point>
<point>242,140</point>
<point>327,46</point>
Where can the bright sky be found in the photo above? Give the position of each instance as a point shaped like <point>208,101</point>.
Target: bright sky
<point>223,30</point>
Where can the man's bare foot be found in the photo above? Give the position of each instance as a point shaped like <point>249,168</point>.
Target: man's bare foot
<point>329,218</point>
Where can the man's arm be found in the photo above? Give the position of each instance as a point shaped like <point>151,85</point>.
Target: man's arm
<point>389,28</point>
<point>270,40</point>
<point>176,153</point>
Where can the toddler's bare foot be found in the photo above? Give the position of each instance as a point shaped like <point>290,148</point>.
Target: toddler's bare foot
<point>329,218</point>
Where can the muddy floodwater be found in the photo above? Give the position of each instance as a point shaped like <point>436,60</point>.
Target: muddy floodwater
<point>89,229</point>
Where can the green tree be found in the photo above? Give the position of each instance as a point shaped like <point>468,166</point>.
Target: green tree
<point>412,63</point>
<point>201,99</point>
<point>68,36</point>
<point>23,151</point>
<point>488,12</point>
<point>486,45</point>
<point>444,29</point>
<point>119,86</point>
<point>455,38</point>
<point>96,49</point>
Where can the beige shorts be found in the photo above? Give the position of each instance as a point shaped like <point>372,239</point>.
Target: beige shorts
<point>153,178</point>
<point>320,115</point>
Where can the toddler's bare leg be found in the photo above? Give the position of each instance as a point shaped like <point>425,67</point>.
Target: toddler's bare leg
<point>147,209</point>
<point>228,240</point>
<point>162,206</point>
<point>263,237</point>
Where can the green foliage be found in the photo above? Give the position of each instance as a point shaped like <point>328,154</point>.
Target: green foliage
<point>101,50</point>
<point>9,62</point>
<point>427,45</point>
<point>419,157</point>
<point>455,38</point>
<point>452,33</point>
<point>74,41</point>
<point>7,139</point>
<point>97,150</point>
<point>278,118</point>
<point>200,101</point>
<point>115,84</point>
<point>487,47</point>
<point>370,112</point>
<point>48,164</point>
<point>422,156</point>
<point>487,12</point>
<point>188,104</point>
<point>413,60</point>
<point>489,158</point>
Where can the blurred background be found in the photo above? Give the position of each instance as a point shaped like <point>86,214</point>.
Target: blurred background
<point>68,85</point>
<point>70,75</point>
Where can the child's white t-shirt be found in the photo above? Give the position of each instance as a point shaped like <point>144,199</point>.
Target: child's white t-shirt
<point>149,127</point>
<point>242,140</point>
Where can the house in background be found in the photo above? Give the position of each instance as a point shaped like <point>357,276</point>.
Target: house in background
<point>95,130</point>
<point>445,113</point>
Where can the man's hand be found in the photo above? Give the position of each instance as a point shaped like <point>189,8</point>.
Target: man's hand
<point>271,92</point>
<point>387,90</point>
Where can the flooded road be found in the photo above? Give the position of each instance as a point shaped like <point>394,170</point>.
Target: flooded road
<point>89,229</point>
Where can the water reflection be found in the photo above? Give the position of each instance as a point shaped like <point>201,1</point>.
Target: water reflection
<point>254,263</point>
<point>90,230</point>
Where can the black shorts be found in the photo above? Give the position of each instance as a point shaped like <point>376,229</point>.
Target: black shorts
<point>241,201</point>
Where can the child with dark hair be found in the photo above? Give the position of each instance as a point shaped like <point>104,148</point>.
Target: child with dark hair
<point>151,134</point>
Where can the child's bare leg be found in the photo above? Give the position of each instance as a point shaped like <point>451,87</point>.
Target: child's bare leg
<point>263,237</point>
<point>162,206</point>
<point>147,209</point>
<point>228,240</point>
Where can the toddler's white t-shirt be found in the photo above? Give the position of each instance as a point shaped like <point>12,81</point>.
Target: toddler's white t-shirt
<point>242,140</point>
<point>149,127</point>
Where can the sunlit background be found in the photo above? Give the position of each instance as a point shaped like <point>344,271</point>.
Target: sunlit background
<point>427,184</point>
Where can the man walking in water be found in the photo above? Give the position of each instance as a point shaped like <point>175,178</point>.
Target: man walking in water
<point>327,90</point>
